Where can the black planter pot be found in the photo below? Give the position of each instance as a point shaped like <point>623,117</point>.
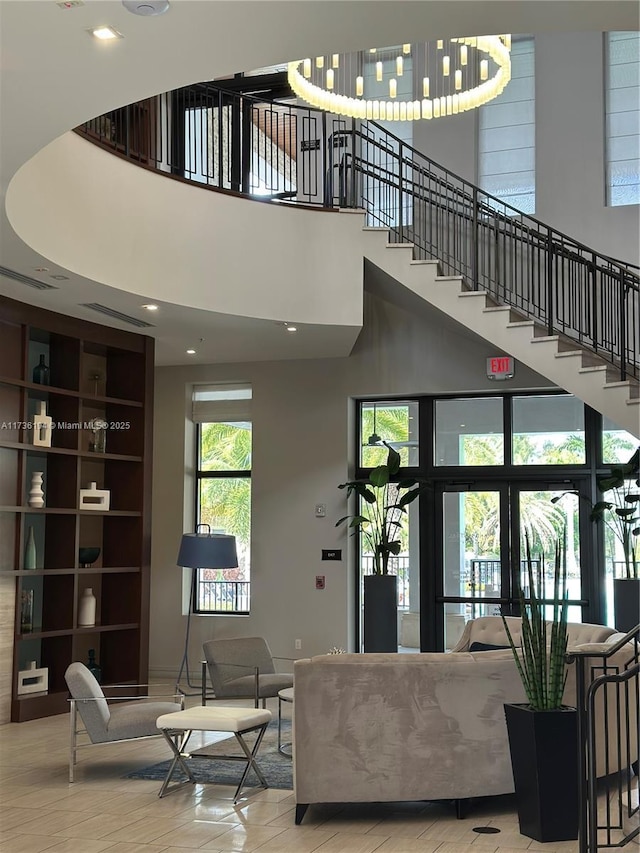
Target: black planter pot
<point>544,758</point>
<point>380,613</point>
<point>626,603</point>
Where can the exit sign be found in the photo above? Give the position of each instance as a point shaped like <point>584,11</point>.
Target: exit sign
<point>500,367</point>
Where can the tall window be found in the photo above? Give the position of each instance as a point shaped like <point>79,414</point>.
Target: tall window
<point>506,145</point>
<point>223,415</point>
<point>623,118</point>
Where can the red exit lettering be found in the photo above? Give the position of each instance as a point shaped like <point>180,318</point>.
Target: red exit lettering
<point>500,364</point>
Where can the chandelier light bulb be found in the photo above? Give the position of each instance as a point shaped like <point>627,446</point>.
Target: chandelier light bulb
<point>393,87</point>
<point>484,69</point>
<point>425,87</point>
<point>359,86</point>
<point>329,78</point>
<point>399,66</point>
<point>335,60</point>
<point>319,61</point>
<point>306,68</point>
<point>458,79</point>
<point>464,57</point>
<point>379,72</point>
<point>372,49</point>
<point>436,108</point>
<point>406,49</point>
<point>440,44</point>
<point>446,62</point>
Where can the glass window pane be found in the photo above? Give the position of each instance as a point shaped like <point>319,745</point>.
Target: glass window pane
<point>225,447</point>
<point>469,432</point>
<point>395,422</point>
<point>618,445</point>
<point>548,430</point>
<point>545,523</point>
<point>225,505</point>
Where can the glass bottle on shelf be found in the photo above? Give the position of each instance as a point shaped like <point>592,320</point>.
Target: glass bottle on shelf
<point>41,373</point>
<point>93,666</point>
<point>26,611</point>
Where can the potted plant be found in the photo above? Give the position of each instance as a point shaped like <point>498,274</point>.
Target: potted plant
<point>384,503</point>
<point>620,511</point>
<point>543,736</point>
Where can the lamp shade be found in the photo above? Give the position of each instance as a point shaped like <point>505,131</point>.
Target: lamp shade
<point>207,551</point>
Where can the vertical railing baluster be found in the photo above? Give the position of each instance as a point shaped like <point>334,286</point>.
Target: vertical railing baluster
<point>474,241</point>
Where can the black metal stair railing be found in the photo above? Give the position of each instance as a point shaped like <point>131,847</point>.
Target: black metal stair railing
<point>286,153</point>
<point>608,708</point>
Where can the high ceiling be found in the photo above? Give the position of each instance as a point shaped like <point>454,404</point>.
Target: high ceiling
<point>54,76</point>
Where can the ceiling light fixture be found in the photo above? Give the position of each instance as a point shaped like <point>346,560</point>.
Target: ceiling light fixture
<point>458,74</point>
<point>146,8</point>
<point>291,328</point>
<point>191,352</point>
<point>150,306</point>
<point>105,33</point>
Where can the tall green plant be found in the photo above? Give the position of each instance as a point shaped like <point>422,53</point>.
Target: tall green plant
<point>621,512</point>
<point>541,660</point>
<point>386,503</point>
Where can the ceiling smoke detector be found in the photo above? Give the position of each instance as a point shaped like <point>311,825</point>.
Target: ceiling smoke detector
<point>147,8</point>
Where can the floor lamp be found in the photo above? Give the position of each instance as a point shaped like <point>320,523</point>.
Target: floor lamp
<point>202,550</point>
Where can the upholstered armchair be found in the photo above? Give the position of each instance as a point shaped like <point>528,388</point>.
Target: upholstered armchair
<point>241,668</point>
<point>104,723</point>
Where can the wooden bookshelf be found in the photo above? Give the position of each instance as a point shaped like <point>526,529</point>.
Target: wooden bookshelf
<point>95,372</point>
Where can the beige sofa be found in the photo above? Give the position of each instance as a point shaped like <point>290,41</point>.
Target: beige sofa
<point>394,727</point>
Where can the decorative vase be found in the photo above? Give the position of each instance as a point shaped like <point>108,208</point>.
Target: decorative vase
<point>94,498</point>
<point>94,668</point>
<point>544,758</point>
<point>26,611</point>
<point>30,555</point>
<point>87,609</point>
<point>42,427</point>
<point>380,613</point>
<point>626,603</point>
<point>41,373</point>
<point>98,427</point>
<point>36,493</point>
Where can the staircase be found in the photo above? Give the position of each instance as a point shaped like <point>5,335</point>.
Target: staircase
<point>556,305</point>
<point>561,359</point>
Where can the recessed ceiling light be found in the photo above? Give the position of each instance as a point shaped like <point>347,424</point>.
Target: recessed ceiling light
<point>292,329</point>
<point>191,352</point>
<point>150,306</point>
<point>105,33</point>
<point>60,277</point>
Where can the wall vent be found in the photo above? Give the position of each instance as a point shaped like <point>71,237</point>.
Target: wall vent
<point>117,315</point>
<point>25,279</point>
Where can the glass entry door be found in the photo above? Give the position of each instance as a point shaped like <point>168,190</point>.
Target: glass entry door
<point>483,550</point>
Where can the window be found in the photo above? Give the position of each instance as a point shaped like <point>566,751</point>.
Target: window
<point>393,422</point>
<point>548,430</point>
<point>623,118</point>
<point>506,155</point>
<point>469,431</point>
<point>223,415</point>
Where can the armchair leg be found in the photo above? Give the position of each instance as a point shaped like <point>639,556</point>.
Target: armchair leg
<point>73,733</point>
<point>301,810</point>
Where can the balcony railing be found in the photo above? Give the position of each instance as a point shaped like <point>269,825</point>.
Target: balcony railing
<point>222,596</point>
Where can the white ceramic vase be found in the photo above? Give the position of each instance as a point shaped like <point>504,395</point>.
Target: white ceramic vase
<point>36,494</point>
<point>87,609</point>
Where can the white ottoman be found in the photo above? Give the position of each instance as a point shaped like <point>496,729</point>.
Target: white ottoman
<point>178,726</point>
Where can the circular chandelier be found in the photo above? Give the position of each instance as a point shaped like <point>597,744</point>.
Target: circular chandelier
<point>452,76</point>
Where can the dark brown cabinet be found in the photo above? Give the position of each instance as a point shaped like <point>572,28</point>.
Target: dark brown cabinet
<point>95,373</point>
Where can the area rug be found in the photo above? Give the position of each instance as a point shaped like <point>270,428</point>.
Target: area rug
<point>277,768</point>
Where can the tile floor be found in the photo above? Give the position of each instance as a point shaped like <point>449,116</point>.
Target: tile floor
<point>102,811</point>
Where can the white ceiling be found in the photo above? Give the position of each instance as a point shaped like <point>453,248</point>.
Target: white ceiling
<point>54,76</point>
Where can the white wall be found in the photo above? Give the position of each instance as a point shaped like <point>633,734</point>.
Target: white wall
<point>570,132</point>
<point>301,412</point>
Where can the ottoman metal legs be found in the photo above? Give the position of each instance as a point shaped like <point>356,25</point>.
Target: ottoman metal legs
<point>178,727</point>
